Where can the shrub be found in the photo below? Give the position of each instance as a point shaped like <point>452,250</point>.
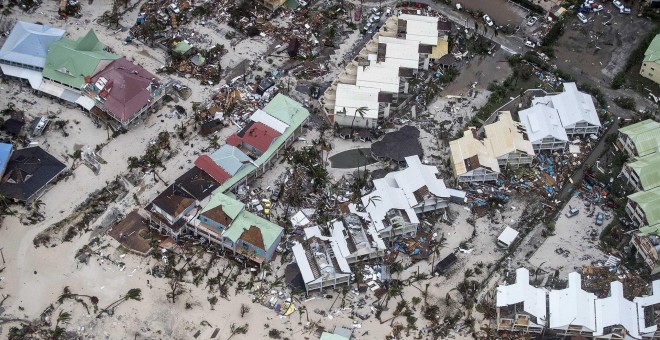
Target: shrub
<point>627,103</point>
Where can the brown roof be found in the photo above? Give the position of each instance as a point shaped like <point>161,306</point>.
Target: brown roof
<point>173,200</point>
<point>253,236</point>
<point>218,215</point>
<point>421,193</point>
<point>472,163</point>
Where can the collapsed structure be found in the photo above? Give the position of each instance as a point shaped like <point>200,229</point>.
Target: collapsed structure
<point>572,311</point>
<point>376,83</point>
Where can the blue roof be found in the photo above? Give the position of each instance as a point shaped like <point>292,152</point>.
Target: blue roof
<point>230,158</point>
<point>5,152</point>
<point>28,43</point>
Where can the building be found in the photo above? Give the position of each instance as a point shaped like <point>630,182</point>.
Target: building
<point>643,208</point>
<point>642,174</point>
<point>321,264</point>
<point>521,307</point>
<point>393,206</point>
<point>651,63</point>
<point>507,142</point>
<point>357,240</point>
<point>648,309</point>
<point>28,172</point>
<point>254,139</point>
<point>23,55</point>
<point>177,204</point>
<point>233,166</point>
<point>124,91</point>
<point>273,4</point>
<point>640,139</point>
<point>576,110</point>
<point>472,160</point>
<point>543,127</point>
<point>616,316</point>
<point>646,246</point>
<point>572,311</point>
<point>70,61</point>
<point>356,106</point>
<point>5,154</point>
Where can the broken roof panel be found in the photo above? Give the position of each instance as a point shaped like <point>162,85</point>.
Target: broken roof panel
<point>469,153</point>
<point>274,123</point>
<point>28,171</point>
<point>648,326</point>
<point>505,136</point>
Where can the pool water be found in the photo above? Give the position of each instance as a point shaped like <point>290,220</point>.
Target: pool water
<point>352,158</point>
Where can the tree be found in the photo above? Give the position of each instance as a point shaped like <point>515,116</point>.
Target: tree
<point>362,110</point>
<point>5,205</point>
<point>213,300</point>
<point>175,286</point>
<point>234,329</point>
<point>132,294</point>
<point>435,249</point>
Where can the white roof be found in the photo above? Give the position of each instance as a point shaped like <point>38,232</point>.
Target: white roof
<point>572,306</point>
<point>34,77</point>
<point>421,28</point>
<point>533,299</point>
<point>299,219</point>
<point>572,105</point>
<point>508,236</point>
<point>58,91</point>
<point>616,310</point>
<point>396,191</point>
<point>401,52</point>
<point>542,121</point>
<point>644,301</point>
<point>313,231</point>
<point>28,43</point>
<point>268,120</point>
<point>349,98</point>
<point>382,76</point>
<point>303,263</point>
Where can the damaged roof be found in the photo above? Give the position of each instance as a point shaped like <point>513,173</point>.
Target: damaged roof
<point>28,171</point>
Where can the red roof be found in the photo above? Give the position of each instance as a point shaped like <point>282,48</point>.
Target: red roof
<point>127,91</point>
<point>207,164</point>
<point>257,134</point>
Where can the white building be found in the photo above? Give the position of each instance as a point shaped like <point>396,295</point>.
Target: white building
<point>401,52</point>
<point>321,263</point>
<point>357,106</point>
<point>543,128</point>
<point>572,309</point>
<point>576,110</point>
<point>521,307</point>
<point>357,241</point>
<point>393,206</point>
<point>647,308</point>
<point>616,316</point>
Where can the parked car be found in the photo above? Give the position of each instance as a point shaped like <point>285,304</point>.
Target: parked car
<point>572,212</point>
<point>487,20</point>
<point>375,11</point>
<point>582,18</point>
<point>374,18</point>
<point>530,43</point>
<point>618,4</point>
<point>599,218</point>
<point>625,10</point>
<point>388,11</point>
<point>532,20</point>
<point>597,8</point>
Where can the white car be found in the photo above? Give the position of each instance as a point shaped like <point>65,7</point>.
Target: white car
<point>617,4</point>
<point>597,8</point>
<point>582,18</point>
<point>487,20</point>
<point>530,44</point>
<point>531,21</point>
<point>625,10</point>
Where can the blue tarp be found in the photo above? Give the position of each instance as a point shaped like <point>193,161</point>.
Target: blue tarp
<point>5,153</point>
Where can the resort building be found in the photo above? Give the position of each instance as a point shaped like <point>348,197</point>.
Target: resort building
<point>521,307</point>
<point>572,311</point>
<point>651,64</point>
<point>643,173</point>
<point>576,110</point>
<point>640,139</point>
<point>543,128</point>
<point>472,159</point>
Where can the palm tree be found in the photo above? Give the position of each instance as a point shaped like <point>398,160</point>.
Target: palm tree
<point>372,200</point>
<point>435,249</point>
<point>132,294</point>
<point>237,330</point>
<point>362,110</point>
<point>214,143</point>
<point>4,205</point>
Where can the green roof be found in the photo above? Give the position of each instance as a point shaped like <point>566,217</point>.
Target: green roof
<point>289,112</point>
<point>653,52</point>
<point>182,47</point>
<point>269,230</point>
<point>229,205</point>
<point>649,202</point>
<point>330,336</point>
<point>645,135</point>
<point>646,169</point>
<point>70,61</point>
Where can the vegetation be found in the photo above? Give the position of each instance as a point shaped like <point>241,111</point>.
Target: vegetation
<point>627,103</point>
<point>635,59</point>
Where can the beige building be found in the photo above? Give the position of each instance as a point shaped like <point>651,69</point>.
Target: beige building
<point>651,64</point>
<point>507,141</point>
